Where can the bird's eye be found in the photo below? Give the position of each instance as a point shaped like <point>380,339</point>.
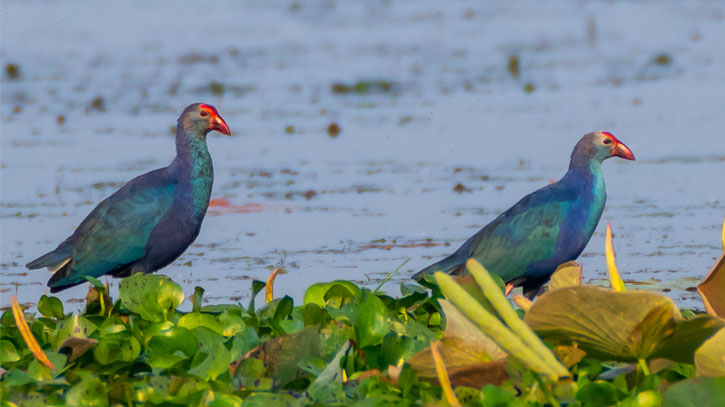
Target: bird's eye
<point>607,141</point>
<point>203,113</point>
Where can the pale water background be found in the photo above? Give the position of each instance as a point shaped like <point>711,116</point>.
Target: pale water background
<point>357,205</point>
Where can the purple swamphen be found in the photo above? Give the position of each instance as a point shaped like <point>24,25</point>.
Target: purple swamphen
<point>150,221</point>
<point>525,244</point>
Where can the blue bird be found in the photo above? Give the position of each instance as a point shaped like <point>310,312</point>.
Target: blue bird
<point>150,221</point>
<point>548,227</point>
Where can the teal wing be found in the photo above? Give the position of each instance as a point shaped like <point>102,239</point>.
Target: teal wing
<point>116,232</point>
<point>519,238</point>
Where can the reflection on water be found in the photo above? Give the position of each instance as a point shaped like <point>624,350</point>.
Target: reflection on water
<point>365,133</point>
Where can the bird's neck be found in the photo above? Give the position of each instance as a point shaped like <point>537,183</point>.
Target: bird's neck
<point>585,177</point>
<point>194,169</point>
<point>584,171</point>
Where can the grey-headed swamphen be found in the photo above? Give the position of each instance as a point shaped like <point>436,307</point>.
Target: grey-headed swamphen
<point>526,243</point>
<point>150,221</point>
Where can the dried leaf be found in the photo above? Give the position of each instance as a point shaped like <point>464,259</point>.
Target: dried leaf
<point>712,289</point>
<point>568,274</point>
<point>443,376</point>
<point>24,329</point>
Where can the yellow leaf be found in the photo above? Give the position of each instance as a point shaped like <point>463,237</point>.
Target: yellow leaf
<point>27,334</point>
<point>723,236</point>
<point>616,280</point>
<point>443,376</point>
<point>269,291</point>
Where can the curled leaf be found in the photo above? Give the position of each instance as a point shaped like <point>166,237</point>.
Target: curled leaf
<point>269,293</point>
<point>616,280</point>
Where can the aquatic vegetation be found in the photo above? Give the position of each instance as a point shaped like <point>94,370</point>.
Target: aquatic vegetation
<point>345,345</point>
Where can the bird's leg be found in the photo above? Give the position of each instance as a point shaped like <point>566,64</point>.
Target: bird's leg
<point>509,288</point>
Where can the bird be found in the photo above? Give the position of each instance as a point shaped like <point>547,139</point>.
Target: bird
<point>151,220</point>
<point>525,244</point>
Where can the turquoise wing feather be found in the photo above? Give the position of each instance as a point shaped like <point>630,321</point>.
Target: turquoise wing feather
<point>116,232</point>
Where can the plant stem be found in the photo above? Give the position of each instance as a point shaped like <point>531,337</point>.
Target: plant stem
<point>645,368</point>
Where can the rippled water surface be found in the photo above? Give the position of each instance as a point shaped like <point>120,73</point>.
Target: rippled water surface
<point>426,96</point>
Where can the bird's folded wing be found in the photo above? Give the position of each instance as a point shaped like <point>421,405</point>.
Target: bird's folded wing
<point>116,232</point>
<point>524,234</point>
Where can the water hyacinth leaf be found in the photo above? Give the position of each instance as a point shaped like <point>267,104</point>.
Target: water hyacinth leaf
<point>74,327</point>
<point>710,357</point>
<point>8,352</point>
<point>232,322</point>
<point>711,289</point>
<point>568,274</point>
<point>319,293</point>
<point>257,286</point>
<point>700,391</point>
<point>151,296</point>
<point>90,391</point>
<point>213,358</point>
<point>117,350</point>
<point>612,325</point>
<point>176,339</point>
<point>370,320</point>
<point>196,319</point>
<point>283,354</point>
<point>51,307</point>
<point>327,387</point>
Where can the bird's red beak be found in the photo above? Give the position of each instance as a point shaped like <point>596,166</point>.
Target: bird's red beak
<point>621,150</point>
<point>220,125</point>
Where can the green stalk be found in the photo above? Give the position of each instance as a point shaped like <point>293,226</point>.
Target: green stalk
<point>503,308</point>
<point>645,368</point>
<point>492,326</point>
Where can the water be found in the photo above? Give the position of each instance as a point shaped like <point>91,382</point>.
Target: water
<point>358,205</point>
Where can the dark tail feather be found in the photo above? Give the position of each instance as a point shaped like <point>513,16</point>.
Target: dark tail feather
<point>51,259</point>
<point>451,265</point>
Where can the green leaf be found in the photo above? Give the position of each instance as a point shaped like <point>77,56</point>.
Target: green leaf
<point>213,358</point>
<point>176,339</point>
<point>195,319</point>
<point>689,335</point>
<point>701,391</point>
<point>327,388</point>
<point>370,321</point>
<point>151,296</point>
<point>117,350</point>
<point>8,353</point>
<point>336,291</point>
<point>710,357</point>
<point>89,392</point>
<point>77,327</point>
<point>597,394</point>
<point>257,286</point>
<point>51,307</point>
